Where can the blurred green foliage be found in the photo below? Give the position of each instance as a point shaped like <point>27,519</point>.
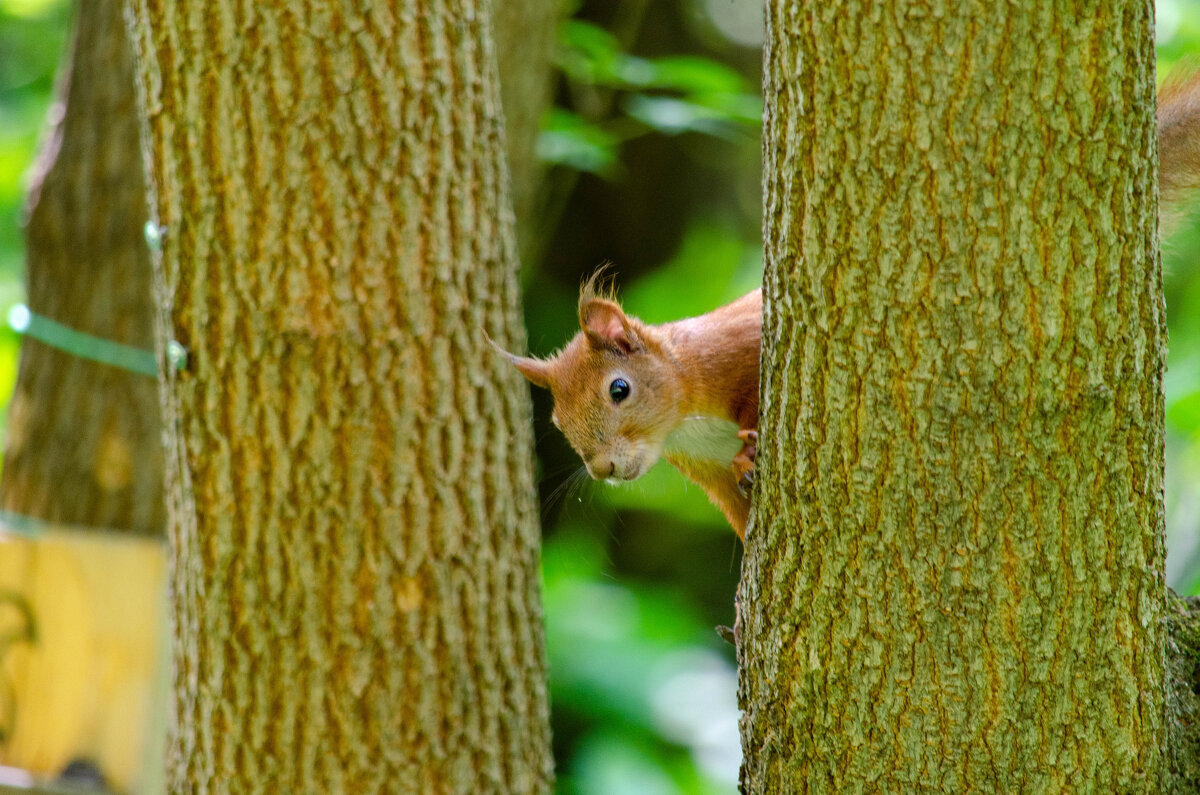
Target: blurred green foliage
<point>669,95</point>
<point>654,146</point>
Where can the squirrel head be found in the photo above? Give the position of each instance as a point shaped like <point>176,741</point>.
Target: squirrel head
<point>615,386</point>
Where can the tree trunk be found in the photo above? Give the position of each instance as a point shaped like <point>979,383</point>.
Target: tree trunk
<point>526,35</point>
<point>1183,693</point>
<point>954,580</point>
<point>355,582</point>
<point>84,443</point>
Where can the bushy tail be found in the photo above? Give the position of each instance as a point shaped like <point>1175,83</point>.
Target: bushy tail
<point>1178,144</point>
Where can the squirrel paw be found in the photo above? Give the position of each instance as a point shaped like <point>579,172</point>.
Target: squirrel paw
<point>743,462</point>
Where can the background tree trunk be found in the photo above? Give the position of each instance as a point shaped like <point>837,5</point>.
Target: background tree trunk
<point>84,442</point>
<point>350,484</point>
<point>526,36</point>
<point>1183,693</point>
<point>954,579</point>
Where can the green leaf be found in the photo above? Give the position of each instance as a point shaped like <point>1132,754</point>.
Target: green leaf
<point>590,54</point>
<point>674,116</point>
<point>737,108</point>
<point>568,139</point>
<point>695,75</point>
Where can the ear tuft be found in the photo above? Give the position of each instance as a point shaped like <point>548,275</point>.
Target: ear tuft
<point>598,285</point>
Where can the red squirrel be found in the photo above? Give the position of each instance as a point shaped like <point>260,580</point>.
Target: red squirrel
<point>627,393</point>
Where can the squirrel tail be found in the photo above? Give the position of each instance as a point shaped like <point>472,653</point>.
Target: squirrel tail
<point>1178,143</point>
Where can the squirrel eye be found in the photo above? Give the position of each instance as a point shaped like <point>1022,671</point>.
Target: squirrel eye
<point>618,390</point>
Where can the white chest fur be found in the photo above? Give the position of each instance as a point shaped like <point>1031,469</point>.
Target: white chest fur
<point>709,438</point>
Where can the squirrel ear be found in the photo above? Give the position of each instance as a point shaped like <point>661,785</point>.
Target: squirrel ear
<point>537,371</point>
<point>607,326</point>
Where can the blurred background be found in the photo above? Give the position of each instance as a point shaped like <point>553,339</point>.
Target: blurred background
<point>653,164</point>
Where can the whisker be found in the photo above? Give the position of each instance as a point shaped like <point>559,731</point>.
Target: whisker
<point>564,490</point>
<point>581,482</point>
<point>564,468</point>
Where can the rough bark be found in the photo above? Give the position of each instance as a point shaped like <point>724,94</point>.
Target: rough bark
<point>84,443</point>
<point>349,472</point>
<point>1183,693</point>
<point>954,579</point>
<point>526,35</point>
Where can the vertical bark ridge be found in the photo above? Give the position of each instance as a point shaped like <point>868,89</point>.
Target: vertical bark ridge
<point>965,400</point>
<point>357,596</point>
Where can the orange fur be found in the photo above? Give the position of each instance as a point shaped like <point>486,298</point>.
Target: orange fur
<point>1178,143</point>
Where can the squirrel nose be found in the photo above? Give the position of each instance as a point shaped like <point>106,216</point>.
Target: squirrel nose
<point>602,470</point>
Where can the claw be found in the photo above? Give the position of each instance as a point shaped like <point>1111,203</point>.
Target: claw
<point>743,462</point>
<point>746,483</point>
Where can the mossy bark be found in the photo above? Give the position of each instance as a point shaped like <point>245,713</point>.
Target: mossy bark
<point>953,581</point>
<point>355,584</point>
<point>84,441</point>
<point>1183,693</point>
